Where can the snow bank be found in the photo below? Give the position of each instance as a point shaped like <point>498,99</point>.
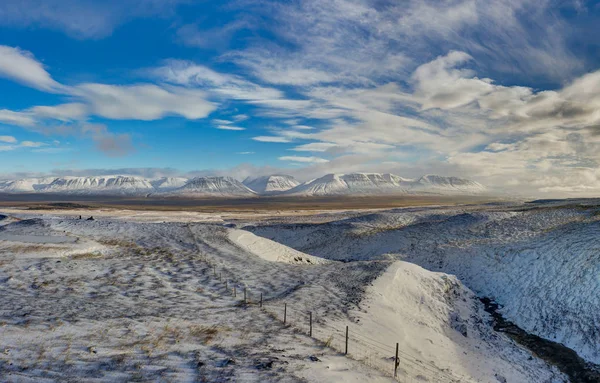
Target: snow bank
<point>440,325</point>
<point>270,250</point>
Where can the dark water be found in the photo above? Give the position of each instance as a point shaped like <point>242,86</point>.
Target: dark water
<point>565,359</point>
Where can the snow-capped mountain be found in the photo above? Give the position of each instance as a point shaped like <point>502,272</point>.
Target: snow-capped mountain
<point>434,183</point>
<point>117,185</point>
<point>271,184</point>
<point>354,183</point>
<point>212,187</point>
<point>168,183</point>
<point>384,184</point>
<point>25,185</point>
<point>359,184</point>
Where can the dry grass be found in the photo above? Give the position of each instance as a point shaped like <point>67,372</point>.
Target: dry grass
<point>203,333</point>
<point>87,256</point>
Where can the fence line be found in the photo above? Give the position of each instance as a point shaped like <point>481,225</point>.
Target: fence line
<point>386,358</point>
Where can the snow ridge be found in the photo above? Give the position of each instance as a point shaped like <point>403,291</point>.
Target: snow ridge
<point>382,184</point>
<point>271,184</point>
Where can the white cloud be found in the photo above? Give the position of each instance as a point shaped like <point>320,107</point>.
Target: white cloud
<point>220,85</point>
<point>245,153</point>
<point>439,84</point>
<point>271,139</point>
<point>62,112</point>
<point>313,160</point>
<point>16,118</point>
<point>229,127</point>
<point>9,139</point>
<point>81,19</point>
<point>21,66</point>
<point>218,121</point>
<point>144,101</point>
<point>31,144</point>
<point>315,147</point>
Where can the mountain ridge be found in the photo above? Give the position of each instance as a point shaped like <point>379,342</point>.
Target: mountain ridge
<point>333,184</point>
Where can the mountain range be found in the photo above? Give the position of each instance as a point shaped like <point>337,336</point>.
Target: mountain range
<point>353,184</point>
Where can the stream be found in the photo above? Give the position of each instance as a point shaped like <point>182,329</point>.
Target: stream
<point>556,354</point>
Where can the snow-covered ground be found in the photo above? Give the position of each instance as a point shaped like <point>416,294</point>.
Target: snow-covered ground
<point>148,296</point>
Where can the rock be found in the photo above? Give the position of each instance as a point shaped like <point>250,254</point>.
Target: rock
<point>264,365</point>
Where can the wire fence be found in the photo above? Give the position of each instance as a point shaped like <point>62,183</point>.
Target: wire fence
<point>388,358</point>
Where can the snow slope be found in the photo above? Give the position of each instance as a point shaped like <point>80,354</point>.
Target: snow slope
<point>441,184</point>
<point>168,183</point>
<point>270,250</point>
<point>26,185</point>
<point>271,184</point>
<point>384,184</point>
<point>352,184</point>
<point>116,185</point>
<point>212,187</point>
<point>441,326</point>
<point>539,263</point>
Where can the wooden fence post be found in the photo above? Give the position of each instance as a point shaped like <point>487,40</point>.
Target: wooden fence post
<point>234,291</point>
<point>245,296</point>
<point>310,324</point>
<point>396,362</point>
<point>260,299</point>
<point>284,313</point>
<point>346,352</point>
<point>226,287</point>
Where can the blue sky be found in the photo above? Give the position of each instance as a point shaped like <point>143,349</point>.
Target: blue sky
<point>507,93</point>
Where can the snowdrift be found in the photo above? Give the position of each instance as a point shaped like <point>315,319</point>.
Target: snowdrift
<point>270,250</point>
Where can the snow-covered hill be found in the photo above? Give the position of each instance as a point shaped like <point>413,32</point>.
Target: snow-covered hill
<point>271,184</point>
<point>117,185</point>
<point>212,187</point>
<point>168,183</point>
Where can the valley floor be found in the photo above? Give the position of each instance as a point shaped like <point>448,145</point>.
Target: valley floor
<point>149,296</point>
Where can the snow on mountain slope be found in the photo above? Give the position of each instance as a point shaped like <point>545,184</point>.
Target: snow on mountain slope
<point>212,187</point>
<point>270,250</point>
<point>441,325</point>
<point>362,184</point>
<point>443,184</point>
<point>168,183</point>
<point>26,185</point>
<point>355,183</point>
<point>271,184</point>
<point>118,185</point>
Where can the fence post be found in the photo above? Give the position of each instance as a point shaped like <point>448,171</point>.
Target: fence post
<point>226,287</point>
<point>260,299</point>
<point>346,352</point>
<point>234,291</point>
<point>245,300</point>
<point>396,362</point>
<point>214,271</point>
<point>284,313</point>
<point>310,324</point>
<point>220,276</point>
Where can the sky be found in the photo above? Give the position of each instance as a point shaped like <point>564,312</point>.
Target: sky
<point>506,92</point>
